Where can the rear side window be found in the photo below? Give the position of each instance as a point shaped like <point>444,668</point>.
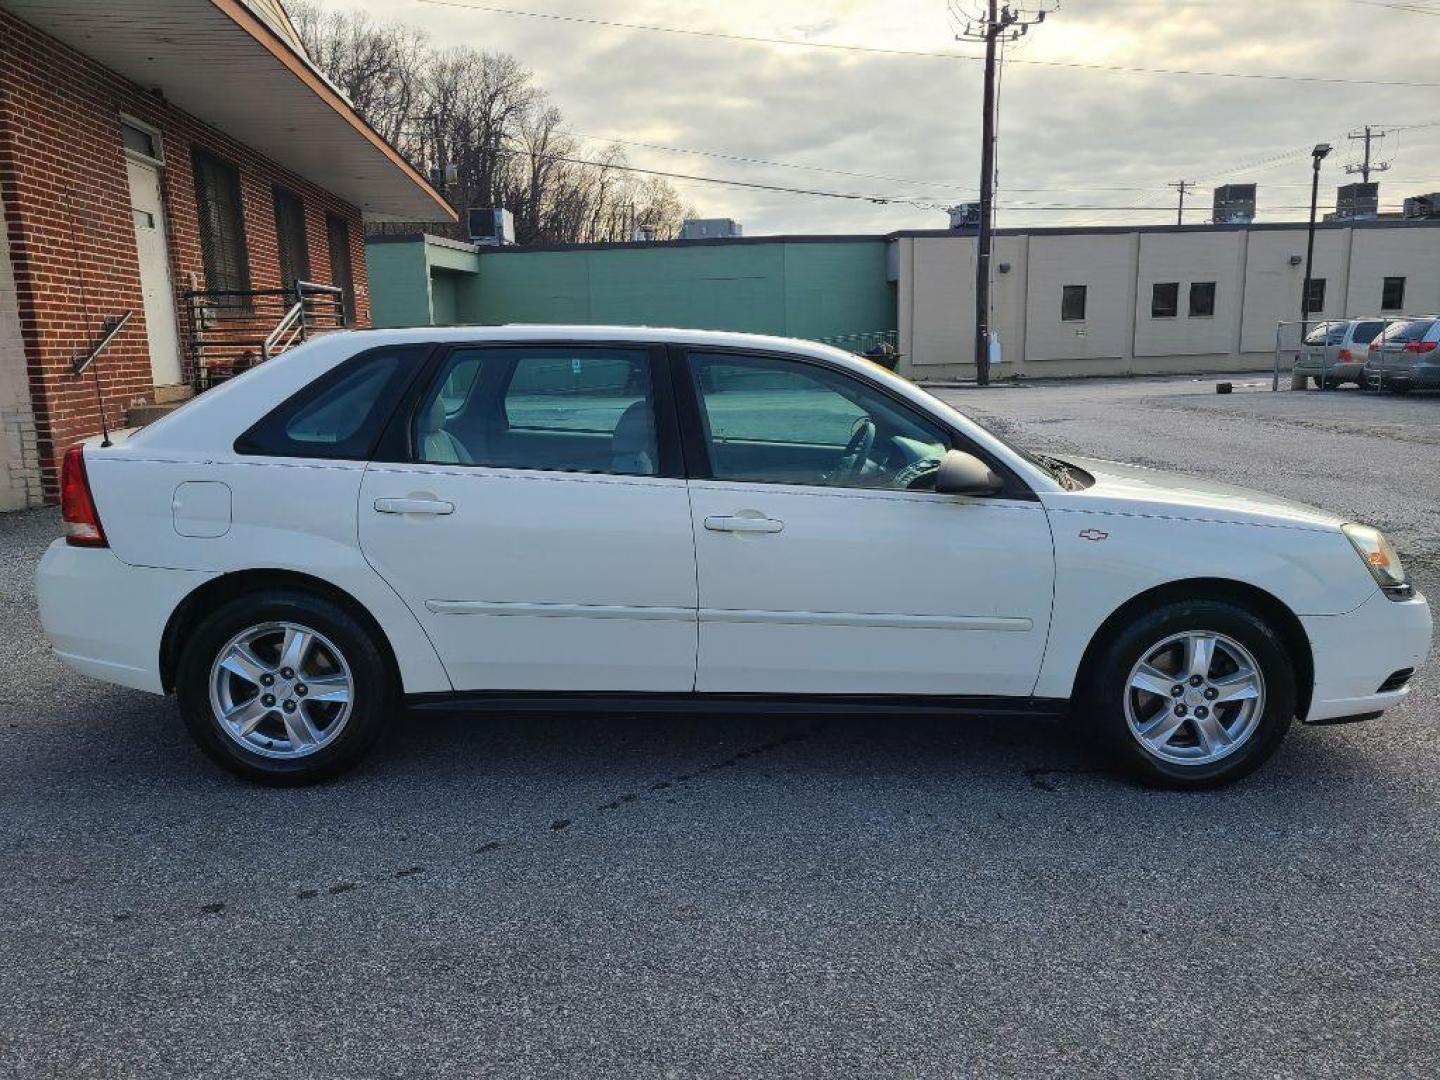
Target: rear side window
<point>1365,332</point>
<point>1413,330</point>
<point>1319,334</point>
<point>562,408</point>
<point>341,414</point>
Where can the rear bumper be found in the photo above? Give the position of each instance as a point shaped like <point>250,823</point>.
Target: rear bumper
<point>105,618</point>
<point>1355,653</point>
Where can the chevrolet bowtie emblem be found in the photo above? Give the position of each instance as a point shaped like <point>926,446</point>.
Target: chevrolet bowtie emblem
<point>1093,534</point>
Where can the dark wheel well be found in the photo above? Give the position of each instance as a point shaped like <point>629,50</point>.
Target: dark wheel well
<point>1272,610</point>
<point>228,586</point>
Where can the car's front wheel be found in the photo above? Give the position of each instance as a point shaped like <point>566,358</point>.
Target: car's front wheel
<point>1194,694</point>
<point>284,688</point>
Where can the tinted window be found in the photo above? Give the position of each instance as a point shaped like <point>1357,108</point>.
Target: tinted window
<point>1318,335</point>
<point>1165,300</point>
<point>1072,302</point>
<point>782,421</point>
<point>1411,330</point>
<point>339,415</point>
<point>1365,332</point>
<point>576,409</point>
<point>1202,298</point>
<point>1392,294</point>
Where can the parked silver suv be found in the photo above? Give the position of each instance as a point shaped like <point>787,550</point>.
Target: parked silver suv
<point>1405,356</point>
<point>1334,353</point>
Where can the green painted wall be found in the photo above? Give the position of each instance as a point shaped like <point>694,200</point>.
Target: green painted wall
<point>787,287</point>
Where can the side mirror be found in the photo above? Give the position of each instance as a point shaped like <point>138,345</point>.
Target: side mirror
<point>965,474</point>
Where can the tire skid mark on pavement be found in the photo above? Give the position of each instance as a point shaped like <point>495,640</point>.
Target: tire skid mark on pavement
<point>666,788</point>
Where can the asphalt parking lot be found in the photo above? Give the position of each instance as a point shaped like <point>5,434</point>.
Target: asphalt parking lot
<point>678,896</point>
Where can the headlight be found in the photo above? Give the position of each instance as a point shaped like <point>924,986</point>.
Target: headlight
<point>1381,559</point>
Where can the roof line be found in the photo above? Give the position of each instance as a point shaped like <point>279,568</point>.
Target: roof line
<point>306,72</point>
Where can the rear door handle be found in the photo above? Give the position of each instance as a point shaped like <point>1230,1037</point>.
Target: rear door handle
<point>743,524</point>
<point>414,506</point>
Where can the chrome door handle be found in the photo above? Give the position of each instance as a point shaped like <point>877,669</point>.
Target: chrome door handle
<point>738,524</point>
<point>414,506</point>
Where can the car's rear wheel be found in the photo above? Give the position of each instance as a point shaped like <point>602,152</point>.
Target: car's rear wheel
<point>1194,694</point>
<point>284,688</point>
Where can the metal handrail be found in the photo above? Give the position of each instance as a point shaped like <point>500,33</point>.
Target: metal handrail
<point>286,330</point>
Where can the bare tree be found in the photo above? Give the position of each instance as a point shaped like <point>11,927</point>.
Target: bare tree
<point>479,116</point>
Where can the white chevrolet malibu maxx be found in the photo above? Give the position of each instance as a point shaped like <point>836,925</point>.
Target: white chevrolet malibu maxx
<point>568,515</point>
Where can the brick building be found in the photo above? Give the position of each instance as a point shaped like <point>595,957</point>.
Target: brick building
<point>182,161</point>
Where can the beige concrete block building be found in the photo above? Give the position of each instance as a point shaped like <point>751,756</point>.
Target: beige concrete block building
<point>1149,299</point>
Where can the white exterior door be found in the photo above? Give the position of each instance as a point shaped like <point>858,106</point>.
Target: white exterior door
<point>821,570</point>
<point>147,210</point>
<point>536,540</point>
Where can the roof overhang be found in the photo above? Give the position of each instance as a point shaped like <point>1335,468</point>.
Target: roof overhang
<point>232,69</point>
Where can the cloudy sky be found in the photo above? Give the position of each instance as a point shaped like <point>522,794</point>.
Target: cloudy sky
<point>1070,139</point>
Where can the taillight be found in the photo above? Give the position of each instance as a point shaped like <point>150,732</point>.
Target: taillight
<point>1374,346</point>
<point>77,505</point>
<point>1346,355</point>
<point>1420,346</point>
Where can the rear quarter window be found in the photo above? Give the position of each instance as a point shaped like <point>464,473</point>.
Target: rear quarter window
<point>342,413</point>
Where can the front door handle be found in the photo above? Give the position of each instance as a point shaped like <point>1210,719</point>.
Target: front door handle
<point>737,524</point>
<point>414,506</point>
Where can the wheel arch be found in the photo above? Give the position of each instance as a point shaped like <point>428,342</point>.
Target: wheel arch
<point>1274,610</point>
<point>227,587</point>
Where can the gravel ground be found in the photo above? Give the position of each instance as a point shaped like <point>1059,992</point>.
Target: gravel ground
<point>571,896</point>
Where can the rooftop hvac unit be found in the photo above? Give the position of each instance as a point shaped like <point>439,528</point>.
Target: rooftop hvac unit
<point>709,228</point>
<point>965,215</point>
<point>490,226</point>
<point>1423,206</point>
<point>1234,204</point>
<point>1357,201</point>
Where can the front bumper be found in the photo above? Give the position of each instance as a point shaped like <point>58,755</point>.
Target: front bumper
<point>1356,652</point>
<point>105,618</point>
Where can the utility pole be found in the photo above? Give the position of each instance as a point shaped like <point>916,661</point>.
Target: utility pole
<point>1000,24</point>
<point>1366,166</point>
<point>1181,186</point>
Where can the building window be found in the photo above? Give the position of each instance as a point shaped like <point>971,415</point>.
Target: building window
<point>1202,299</point>
<point>1392,296</point>
<point>337,232</point>
<point>1072,303</point>
<point>141,140</point>
<point>222,226</point>
<point>1315,302</point>
<point>1165,300</point>
<point>290,232</point>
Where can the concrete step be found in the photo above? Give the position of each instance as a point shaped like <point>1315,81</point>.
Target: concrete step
<point>167,395</point>
<point>140,415</point>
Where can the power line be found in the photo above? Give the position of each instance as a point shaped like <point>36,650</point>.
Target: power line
<point>920,53</point>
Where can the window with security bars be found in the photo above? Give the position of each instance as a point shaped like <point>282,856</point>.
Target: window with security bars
<point>222,228</point>
<point>337,231</point>
<point>290,233</point>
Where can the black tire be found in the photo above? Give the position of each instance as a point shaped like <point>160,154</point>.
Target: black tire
<point>1101,698</point>
<point>373,697</point>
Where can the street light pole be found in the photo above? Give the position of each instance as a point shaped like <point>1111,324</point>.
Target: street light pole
<point>1319,154</point>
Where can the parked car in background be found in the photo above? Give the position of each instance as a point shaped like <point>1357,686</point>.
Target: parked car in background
<point>1334,353</point>
<point>1406,356</point>
<point>592,516</point>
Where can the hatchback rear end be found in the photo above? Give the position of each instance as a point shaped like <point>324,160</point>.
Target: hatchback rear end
<point>1406,356</point>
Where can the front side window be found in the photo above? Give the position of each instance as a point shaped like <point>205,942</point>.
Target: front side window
<point>1392,294</point>
<point>1202,299</point>
<point>341,414</point>
<point>1072,303</point>
<point>1315,301</point>
<point>573,409</point>
<point>779,421</point>
<point>222,224</point>
<point>1164,299</point>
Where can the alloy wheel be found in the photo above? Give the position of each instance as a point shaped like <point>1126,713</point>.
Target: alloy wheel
<point>281,690</point>
<point>1194,698</point>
